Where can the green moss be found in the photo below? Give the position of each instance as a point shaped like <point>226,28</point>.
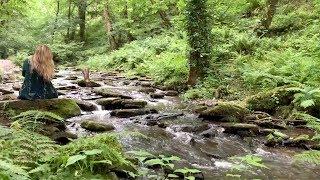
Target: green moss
<point>96,127</point>
<point>64,108</point>
<point>226,111</point>
<point>269,101</point>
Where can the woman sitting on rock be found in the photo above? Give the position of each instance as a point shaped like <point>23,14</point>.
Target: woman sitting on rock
<point>38,72</point>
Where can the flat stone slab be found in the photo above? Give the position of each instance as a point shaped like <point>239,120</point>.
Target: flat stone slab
<point>66,108</point>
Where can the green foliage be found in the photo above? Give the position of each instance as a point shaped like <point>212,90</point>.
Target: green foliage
<point>311,157</point>
<point>306,97</point>
<point>313,122</point>
<point>248,161</point>
<point>33,120</point>
<point>10,171</point>
<point>96,155</point>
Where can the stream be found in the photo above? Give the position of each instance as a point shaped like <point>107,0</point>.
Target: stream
<point>209,154</point>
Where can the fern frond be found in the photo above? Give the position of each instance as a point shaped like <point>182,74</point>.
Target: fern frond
<point>312,157</point>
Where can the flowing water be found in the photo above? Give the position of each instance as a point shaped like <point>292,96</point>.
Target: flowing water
<point>211,155</point>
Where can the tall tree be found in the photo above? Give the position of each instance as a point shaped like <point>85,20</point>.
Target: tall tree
<point>270,11</point>
<point>56,20</point>
<point>113,42</point>
<point>82,10</point>
<point>163,15</point>
<point>199,39</point>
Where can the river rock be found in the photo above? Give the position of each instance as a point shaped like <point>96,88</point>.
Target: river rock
<point>86,106</point>
<point>117,103</point>
<point>225,112</point>
<point>210,133</point>
<point>301,141</point>
<point>191,128</point>
<point>296,122</point>
<point>65,88</point>
<point>106,93</point>
<point>5,92</point>
<point>65,108</point>
<point>94,126</point>
<point>83,83</point>
<point>147,90</point>
<point>240,128</point>
<point>171,93</point>
<point>63,137</point>
<point>269,101</point>
<point>16,86</point>
<point>72,78</point>
<point>157,95</point>
<point>276,138</point>
<point>271,123</point>
<point>126,113</point>
<point>146,84</point>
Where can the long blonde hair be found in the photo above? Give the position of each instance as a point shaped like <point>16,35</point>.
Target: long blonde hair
<point>42,62</point>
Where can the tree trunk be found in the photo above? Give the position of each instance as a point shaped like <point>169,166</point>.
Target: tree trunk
<point>163,15</point>
<point>82,10</point>
<point>126,16</point>
<point>109,28</point>
<point>199,39</point>
<point>271,9</point>
<point>69,21</point>
<point>56,20</point>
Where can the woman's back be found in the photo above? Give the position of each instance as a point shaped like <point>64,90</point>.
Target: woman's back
<point>36,85</point>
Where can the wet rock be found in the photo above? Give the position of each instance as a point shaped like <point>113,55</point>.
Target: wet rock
<point>62,93</point>
<point>271,123</point>
<point>257,115</point>
<point>163,125</point>
<point>71,87</point>
<point>210,133</point>
<point>191,128</point>
<point>276,138</point>
<point>8,97</point>
<point>16,86</point>
<point>133,78</point>
<point>146,84</point>
<point>117,103</point>
<point>86,106</point>
<point>72,78</point>
<point>106,93</point>
<point>240,128</point>
<point>171,93</point>
<point>63,138</point>
<point>83,83</point>
<point>126,113</point>
<point>5,92</point>
<point>157,95</point>
<point>147,90</point>
<point>199,109</point>
<point>94,126</point>
<point>297,122</point>
<point>65,108</point>
<point>265,132</point>
<point>225,112</point>
<point>300,141</point>
<point>152,123</point>
<point>269,101</point>
<point>126,83</point>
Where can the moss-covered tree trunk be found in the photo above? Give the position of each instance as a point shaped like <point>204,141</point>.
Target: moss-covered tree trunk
<point>82,10</point>
<point>109,28</point>
<point>199,39</point>
<point>270,11</point>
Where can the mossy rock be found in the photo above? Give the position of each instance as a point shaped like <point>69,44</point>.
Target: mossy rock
<point>96,126</point>
<point>83,83</point>
<point>65,108</point>
<point>225,112</point>
<point>269,101</point>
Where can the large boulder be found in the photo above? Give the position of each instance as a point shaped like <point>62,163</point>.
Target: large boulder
<point>225,112</point>
<point>270,101</point>
<point>86,106</point>
<point>96,126</point>
<point>65,108</point>
<point>106,93</point>
<point>117,103</point>
<point>83,83</point>
<point>126,113</point>
<point>240,128</point>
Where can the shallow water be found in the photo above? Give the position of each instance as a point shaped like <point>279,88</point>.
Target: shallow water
<point>211,155</point>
